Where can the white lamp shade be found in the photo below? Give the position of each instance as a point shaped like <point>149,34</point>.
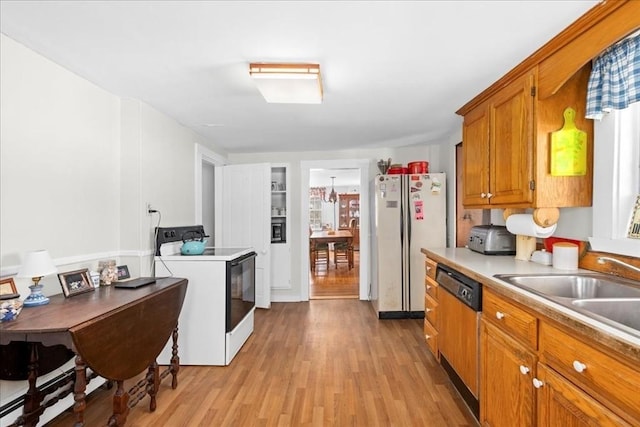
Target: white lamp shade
<point>37,264</point>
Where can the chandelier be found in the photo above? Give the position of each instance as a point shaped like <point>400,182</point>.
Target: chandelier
<point>333,197</point>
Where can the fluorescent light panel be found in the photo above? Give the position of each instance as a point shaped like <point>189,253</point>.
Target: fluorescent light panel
<point>288,83</point>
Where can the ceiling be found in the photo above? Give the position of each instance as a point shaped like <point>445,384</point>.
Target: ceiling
<point>393,72</point>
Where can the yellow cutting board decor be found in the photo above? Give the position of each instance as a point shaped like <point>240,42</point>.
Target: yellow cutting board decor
<point>569,148</point>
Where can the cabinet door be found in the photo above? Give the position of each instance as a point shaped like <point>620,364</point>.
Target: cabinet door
<point>246,207</point>
<point>560,403</point>
<point>507,392</point>
<point>475,157</point>
<point>511,143</point>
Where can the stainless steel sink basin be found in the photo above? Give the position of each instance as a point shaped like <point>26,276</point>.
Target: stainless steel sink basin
<point>611,300</point>
<point>622,311</point>
<point>574,286</point>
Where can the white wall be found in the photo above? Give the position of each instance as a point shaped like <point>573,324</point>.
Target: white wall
<point>60,161</point>
<point>78,166</point>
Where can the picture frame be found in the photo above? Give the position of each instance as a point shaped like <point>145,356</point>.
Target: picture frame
<point>123,272</point>
<point>75,282</point>
<point>634,225</point>
<point>7,286</point>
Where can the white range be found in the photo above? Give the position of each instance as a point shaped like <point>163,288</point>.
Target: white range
<point>218,311</point>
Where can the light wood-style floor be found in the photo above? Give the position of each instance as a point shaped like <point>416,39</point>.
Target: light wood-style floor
<point>335,282</point>
<point>318,363</point>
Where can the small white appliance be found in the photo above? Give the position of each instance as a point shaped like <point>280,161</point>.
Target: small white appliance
<point>410,214</point>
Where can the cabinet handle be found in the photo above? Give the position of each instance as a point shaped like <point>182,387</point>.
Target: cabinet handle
<point>427,337</point>
<point>428,310</point>
<point>524,370</point>
<point>499,315</point>
<point>429,287</point>
<point>483,195</point>
<point>428,268</point>
<point>489,195</point>
<point>537,383</point>
<point>579,366</point>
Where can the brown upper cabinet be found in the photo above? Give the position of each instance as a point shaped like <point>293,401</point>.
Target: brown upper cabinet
<point>507,128</point>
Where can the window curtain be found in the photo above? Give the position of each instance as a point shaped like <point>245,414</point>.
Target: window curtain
<point>615,78</point>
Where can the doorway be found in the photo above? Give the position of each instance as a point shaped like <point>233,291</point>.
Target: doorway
<point>362,255</point>
<point>334,233</point>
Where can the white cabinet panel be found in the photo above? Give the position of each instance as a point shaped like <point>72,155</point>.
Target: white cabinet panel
<point>246,207</point>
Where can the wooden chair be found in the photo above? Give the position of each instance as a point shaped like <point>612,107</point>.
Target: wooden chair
<point>319,254</point>
<point>343,253</point>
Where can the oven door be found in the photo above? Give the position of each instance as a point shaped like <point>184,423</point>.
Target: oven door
<point>241,289</point>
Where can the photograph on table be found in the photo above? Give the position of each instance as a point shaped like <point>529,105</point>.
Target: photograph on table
<point>123,272</point>
<point>7,286</point>
<point>75,282</point>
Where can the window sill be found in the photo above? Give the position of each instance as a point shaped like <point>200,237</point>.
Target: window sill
<point>628,247</point>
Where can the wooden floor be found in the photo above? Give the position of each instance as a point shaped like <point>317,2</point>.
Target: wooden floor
<point>332,282</point>
<point>318,363</point>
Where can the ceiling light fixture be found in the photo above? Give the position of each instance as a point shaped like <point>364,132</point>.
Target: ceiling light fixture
<point>288,83</point>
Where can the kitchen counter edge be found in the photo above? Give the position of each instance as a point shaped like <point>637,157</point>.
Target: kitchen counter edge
<point>482,268</point>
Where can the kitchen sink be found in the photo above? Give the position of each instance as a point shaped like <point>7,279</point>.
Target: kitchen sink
<point>573,286</point>
<point>622,311</point>
<point>611,300</point>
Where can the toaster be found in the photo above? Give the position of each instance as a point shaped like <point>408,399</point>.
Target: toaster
<point>492,240</point>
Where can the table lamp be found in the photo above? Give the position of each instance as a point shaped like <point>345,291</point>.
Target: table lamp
<point>36,265</point>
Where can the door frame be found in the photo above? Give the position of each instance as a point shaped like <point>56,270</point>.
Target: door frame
<point>364,165</point>
<point>204,155</point>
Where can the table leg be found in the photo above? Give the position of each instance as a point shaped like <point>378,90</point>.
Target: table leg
<point>153,384</point>
<point>175,359</point>
<point>120,406</point>
<point>33,397</point>
<point>79,388</point>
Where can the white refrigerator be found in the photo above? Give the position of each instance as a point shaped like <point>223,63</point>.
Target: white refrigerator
<point>410,214</point>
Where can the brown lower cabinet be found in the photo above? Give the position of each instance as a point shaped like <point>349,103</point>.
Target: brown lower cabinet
<point>507,367</point>
<point>563,404</point>
<point>534,371</point>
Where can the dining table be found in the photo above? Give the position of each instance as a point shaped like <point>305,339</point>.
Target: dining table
<point>326,236</point>
<point>329,236</point>
<point>117,333</point>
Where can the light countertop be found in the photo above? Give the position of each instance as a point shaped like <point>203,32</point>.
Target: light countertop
<point>482,268</point>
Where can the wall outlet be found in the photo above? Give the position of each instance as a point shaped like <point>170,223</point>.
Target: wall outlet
<point>149,209</point>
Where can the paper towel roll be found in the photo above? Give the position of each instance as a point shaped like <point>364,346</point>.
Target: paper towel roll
<point>565,256</point>
<point>523,225</point>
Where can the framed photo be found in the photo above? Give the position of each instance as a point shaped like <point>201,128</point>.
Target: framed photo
<point>75,282</point>
<point>123,272</point>
<point>7,286</point>
<point>634,227</point>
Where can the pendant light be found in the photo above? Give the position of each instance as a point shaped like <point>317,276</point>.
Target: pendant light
<point>333,197</point>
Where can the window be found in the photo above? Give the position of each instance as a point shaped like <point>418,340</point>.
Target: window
<point>616,180</point>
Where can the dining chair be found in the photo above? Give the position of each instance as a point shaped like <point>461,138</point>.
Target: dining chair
<point>319,255</point>
<point>343,253</point>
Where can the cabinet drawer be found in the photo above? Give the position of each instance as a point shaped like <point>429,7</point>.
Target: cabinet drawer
<point>430,268</point>
<point>431,287</point>
<point>431,337</point>
<point>510,318</point>
<point>607,379</point>
<point>431,310</point>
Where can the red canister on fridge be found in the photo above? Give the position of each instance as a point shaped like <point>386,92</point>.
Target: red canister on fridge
<point>418,167</point>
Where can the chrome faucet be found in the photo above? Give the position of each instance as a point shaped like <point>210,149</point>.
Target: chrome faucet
<point>603,259</point>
